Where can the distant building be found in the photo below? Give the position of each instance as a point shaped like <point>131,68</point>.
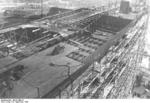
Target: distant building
<point>125,7</point>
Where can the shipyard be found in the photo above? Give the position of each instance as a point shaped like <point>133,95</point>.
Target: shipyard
<point>95,52</point>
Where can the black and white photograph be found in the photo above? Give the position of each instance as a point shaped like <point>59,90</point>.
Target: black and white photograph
<point>74,49</point>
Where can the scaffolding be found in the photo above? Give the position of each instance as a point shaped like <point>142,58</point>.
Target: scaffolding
<point>114,75</point>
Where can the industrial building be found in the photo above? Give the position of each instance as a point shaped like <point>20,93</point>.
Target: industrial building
<point>82,53</point>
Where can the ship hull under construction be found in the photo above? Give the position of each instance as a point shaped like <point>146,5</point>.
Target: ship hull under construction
<point>76,54</point>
